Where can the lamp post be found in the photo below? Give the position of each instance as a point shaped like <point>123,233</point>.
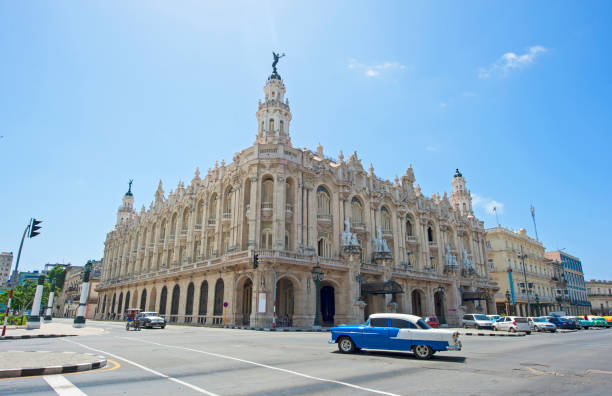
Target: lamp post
<point>508,301</point>
<point>442,308</point>
<point>317,277</point>
<point>522,256</point>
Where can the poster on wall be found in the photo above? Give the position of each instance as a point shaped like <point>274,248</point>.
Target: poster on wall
<point>261,302</point>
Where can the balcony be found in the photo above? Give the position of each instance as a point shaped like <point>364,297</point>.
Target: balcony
<point>227,216</point>
<point>324,217</point>
<point>212,222</point>
<point>411,239</point>
<point>433,245</point>
<point>197,227</point>
<point>266,205</point>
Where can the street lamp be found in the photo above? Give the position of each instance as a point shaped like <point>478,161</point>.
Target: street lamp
<point>317,277</point>
<point>522,256</point>
<point>508,301</point>
<point>442,308</point>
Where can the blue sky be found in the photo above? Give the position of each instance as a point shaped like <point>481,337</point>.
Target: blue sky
<point>515,94</point>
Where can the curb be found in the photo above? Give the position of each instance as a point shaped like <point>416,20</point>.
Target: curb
<point>281,329</point>
<point>49,370</point>
<point>25,336</point>
<point>495,334</point>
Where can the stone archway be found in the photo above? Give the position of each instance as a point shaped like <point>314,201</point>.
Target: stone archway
<point>285,302</point>
<point>189,303</point>
<point>328,305</point>
<point>174,306</point>
<point>120,306</point>
<point>203,303</point>
<point>163,300</point>
<point>247,301</point>
<point>127,300</point>
<point>218,303</point>
<point>112,309</point>
<point>417,302</point>
<point>143,300</point>
<point>104,305</point>
<point>439,307</point>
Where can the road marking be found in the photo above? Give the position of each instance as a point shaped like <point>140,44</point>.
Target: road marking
<point>267,366</point>
<point>62,386</point>
<point>140,366</point>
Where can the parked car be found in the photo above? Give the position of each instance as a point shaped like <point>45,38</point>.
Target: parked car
<point>541,324</point>
<point>151,319</point>
<point>573,320</point>
<point>585,323</point>
<point>494,318</point>
<point>563,323</point>
<point>512,323</point>
<point>477,321</point>
<point>598,321</point>
<point>608,320</point>
<point>399,332</point>
<point>432,321</point>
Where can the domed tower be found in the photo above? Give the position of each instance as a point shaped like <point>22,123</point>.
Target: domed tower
<point>126,210</point>
<point>273,114</point>
<point>461,199</point>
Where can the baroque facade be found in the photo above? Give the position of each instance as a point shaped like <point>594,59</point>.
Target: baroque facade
<point>600,296</point>
<point>239,245</point>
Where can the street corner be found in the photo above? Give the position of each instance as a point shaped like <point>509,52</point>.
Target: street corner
<point>31,363</point>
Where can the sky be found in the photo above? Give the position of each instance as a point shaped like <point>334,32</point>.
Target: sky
<point>515,94</point>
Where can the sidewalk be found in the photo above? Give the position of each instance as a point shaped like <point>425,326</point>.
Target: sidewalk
<point>22,364</point>
<point>57,328</point>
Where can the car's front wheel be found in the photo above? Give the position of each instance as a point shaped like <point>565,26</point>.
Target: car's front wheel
<point>536,329</point>
<point>346,345</point>
<point>422,351</point>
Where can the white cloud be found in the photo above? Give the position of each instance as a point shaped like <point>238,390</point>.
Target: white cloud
<point>443,105</point>
<point>487,204</point>
<point>374,70</point>
<point>511,61</point>
<point>431,148</point>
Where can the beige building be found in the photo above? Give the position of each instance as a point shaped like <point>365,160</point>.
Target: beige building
<point>381,245</point>
<point>66,304</point>
<point>535,283</point>
<point>599,293</point>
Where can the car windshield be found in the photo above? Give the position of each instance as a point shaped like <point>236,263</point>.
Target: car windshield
<point>150,313</point>
<point>539,320</point>
<point>422,324</point>
<point>481,317</point>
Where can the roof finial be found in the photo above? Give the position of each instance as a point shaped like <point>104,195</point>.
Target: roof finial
<point>129,192</point>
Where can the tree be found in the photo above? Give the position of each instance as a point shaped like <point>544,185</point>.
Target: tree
<point>59,274</point>
<point>23,296</point>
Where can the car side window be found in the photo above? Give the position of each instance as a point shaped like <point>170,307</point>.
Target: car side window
<point>401,324</point>
<point>378,322</point>
<point>466,317</point>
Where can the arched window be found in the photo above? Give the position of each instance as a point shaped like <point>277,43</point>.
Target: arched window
<point>189,302</point>
<point>176,294</point>
<point>323,202</point>
<point>104,304</point>
<point>127,301</point>
<point>162,231</point>
<point>186,219</point>
<point>199,212</point>
<point>324,247</point>
<point>203,298</point>
<point>430,233</point>
<point>271,124</point>
<point>218,306</point>
<point>212,208</point>
<point>120,304</point>
<point>289,194</point>
<point>227,202</point>
<point>409,230</point>
<point>464,207</point>
<point>266,239</point>
<point>282,126</point>
<point>173,225</point>
<point>385,219</point>
<point>356,212</point>
<point>143,300</point>
<point>267,193</point>
<point>262,126</point>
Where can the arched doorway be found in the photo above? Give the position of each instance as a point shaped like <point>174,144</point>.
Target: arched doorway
<point>113,304</point>
<point>163,300</point>
<point>127,301</point>
<point>285,302</point>
<point>203,307</point>
<point>104,304</point>
<point>143,300</point>
<point>153,299</point>
<point>328,305</point>
<point>439,306</point>
<point>189,303</point>
<point>218,305</point>
<point>247,301</point>
<point>174,306</point>
<point>417,302</point>
<point>119,306</point>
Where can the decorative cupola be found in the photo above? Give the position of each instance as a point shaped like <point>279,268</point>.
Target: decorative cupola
<point>126,210</point>
<point>274,115</point>
<point>460,198</point>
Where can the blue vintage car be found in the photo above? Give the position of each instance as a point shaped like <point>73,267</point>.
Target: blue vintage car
<point>398,332</point>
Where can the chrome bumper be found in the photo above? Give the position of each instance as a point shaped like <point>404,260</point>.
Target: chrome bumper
<point>456,347</point>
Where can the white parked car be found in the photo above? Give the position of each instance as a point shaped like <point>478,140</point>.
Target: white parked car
<point>512,323</point>
<point>541,324</point>
<point>477,321</point>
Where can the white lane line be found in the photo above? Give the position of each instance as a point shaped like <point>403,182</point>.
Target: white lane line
<point>267,366</point>
<point>62,386</point>
<point>140,366</point>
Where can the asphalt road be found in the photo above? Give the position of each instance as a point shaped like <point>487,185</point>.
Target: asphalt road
<point>182,360</point>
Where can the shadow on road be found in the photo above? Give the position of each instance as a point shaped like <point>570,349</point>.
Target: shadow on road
<point>408,355</point>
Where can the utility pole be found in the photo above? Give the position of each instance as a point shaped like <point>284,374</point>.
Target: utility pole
<point>522,256</point>
<point>33,227</point>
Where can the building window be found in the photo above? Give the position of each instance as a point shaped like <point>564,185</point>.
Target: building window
<point>324,247</point>
<point>356,212</point>
<point>266,239</point>
<point>385,220</point>
<point>323,202</point>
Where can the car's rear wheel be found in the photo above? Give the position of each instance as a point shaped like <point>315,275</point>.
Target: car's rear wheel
<point>422,351</point>
<point>528,332</point>
<point>346,345</point>
<point>512,329</point>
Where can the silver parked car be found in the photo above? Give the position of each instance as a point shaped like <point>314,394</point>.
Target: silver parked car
<point>513,323</point>
<point>477,321</point>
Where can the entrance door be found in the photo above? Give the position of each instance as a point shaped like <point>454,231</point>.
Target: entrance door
<point>247,301</point>
<point>328,308</point>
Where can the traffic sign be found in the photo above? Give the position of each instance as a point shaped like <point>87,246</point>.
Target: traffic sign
<point>225,304</point>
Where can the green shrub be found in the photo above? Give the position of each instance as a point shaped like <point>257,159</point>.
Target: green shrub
<point>14,320</point>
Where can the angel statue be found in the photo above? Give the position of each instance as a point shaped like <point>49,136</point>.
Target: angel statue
<point>276,58</point>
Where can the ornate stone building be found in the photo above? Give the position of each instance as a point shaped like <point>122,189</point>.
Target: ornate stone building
<point>240,244</point>
<point>600,296</point>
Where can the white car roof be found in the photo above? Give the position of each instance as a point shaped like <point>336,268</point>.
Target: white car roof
<point>412,318</point>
